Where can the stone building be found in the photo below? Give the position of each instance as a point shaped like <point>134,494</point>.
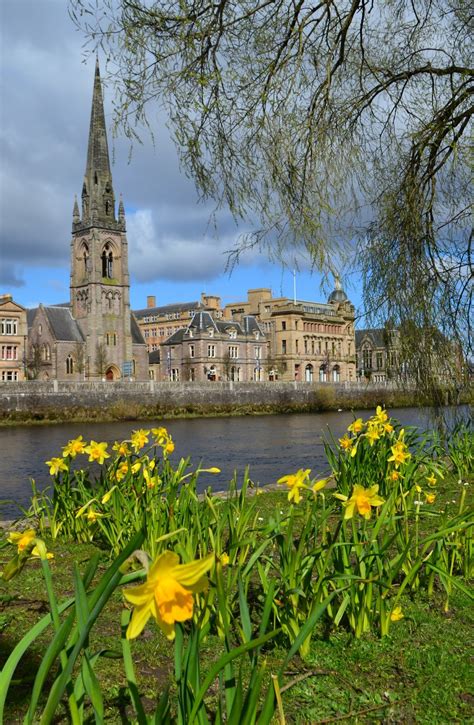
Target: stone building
<point>94,336</point>
<point>158,323</point>
<point>308,341</point>
<point>13,339</point>
<point>378,353</point>
<point>209,349</point>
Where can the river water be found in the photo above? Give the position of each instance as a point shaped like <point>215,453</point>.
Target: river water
<point>272,446</point>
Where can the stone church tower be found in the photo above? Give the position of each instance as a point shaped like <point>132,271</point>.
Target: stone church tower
<point>100,286</point>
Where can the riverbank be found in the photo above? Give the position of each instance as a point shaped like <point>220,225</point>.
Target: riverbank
<point>35,402</point>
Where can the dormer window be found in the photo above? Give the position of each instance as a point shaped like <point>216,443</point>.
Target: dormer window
<point>210,331</point>
<point>256,335</point>
<point>233,334</point>
<point>190,332</point>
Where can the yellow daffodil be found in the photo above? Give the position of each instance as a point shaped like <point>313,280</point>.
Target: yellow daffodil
<point>167,593</point>
<point>388,427</point>
<point>160,434</point>
<point>213,469</point>
<point>136,466</point>
<point>430,497</point>
<point>121,448</point>
<point>22,539</point>
<point>25,540</point>
<point>97,452</point>
<point>139,438</point>
<point>107,496</point>
<point>150,479</point>
<point>74,447</point>
<point>400,454</point>
<point>372,434</point>
<point>224,559</point>
<point>168,447</point>
<point>395,475</point>
<point>56,465</point>
<point>121,471</point>
<point>381,415</point>
<point>356,427</point>
<point>346,443</point>
<point>318,485</point>
<point>431,480</point>
<point>93,515</point>
<point>295,481</point>
<point>362,499</point>
<point>396,614</point>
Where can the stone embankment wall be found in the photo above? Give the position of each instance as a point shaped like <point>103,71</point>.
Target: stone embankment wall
<point>50,401</point>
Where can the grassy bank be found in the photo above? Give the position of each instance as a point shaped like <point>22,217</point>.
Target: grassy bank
<point>343,598</point>
<point>420,673</point>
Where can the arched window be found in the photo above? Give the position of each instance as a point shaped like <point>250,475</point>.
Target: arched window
<point>336,374</point>
<point>69,365</point>
<point>308,373</point>
<point>86,258</point>
<point>107,258</point>
<point>322,374</point>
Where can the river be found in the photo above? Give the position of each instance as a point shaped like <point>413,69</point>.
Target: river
<point>272,446</point>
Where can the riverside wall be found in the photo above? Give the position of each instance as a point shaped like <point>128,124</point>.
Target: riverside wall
<point>53,401</point>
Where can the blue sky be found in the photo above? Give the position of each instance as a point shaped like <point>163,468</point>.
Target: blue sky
<point>176,248</point>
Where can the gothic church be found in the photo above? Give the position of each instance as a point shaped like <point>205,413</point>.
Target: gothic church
<point>95,336</point>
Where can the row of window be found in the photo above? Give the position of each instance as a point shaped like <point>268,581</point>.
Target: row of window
<point>9,352</point>
<point>367,359</point>
<point>234,374</point>
<point>10,375</point>
<point>317,347</point>
<point>8,326</point>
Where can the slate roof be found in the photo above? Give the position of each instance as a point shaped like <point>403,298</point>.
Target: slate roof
<point>167,309</point>
<point>30,315</point>
<point>137,336</point>
<point>154,357</point>
<point>63,325</point>
<point>202,321</point>
<point>377,336</point>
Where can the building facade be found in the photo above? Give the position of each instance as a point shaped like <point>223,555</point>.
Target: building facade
<point>308,341</point>
<point>209,349</point>
<point>378,355</point>
<point>158,323</point>
<point>13,340</point>
<point>94,337</point>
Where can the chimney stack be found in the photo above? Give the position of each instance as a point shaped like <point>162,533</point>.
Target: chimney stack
<point>151,301</point>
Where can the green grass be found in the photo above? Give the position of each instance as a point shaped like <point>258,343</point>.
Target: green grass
<point>420,673</point>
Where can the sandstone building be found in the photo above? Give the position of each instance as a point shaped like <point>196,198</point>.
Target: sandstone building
<point>158,323</point>
<point>13,339</point>
<point>308,341</point>
<point>378,353</point>
<point>210,349</point>
<point>95,336</point>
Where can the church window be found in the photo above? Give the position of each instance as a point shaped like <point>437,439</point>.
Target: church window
<point>367,358</point>
<point>96,180</point>
<point>379,358</point>
<point>191,351</point>
<point>107,206</point>
<point>69,365</point>
<point>107,262</point>
<point>211,351</point>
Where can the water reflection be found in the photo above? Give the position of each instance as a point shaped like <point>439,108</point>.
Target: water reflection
<point>273,445</point>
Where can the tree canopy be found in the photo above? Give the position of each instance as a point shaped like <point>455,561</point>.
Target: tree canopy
<point>328,122</point>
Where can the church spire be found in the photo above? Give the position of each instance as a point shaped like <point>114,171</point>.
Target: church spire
<point>98,202</point>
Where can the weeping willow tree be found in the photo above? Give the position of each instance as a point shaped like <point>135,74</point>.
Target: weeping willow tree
<point>325,123</point>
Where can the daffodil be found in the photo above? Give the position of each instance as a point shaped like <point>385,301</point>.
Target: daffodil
<point>97,452</point>
<point>121,471</point>
<point>346,443</point>
<point>107,496</point>
<point>74,447</point>
<point>318,485</point>
<point>139,438</point>
<point>381,415</point>
<point>160,434</point>
<point>224,559</point>
<point>150,479</point>
<point>169,446</point>
<point>400,454</point>
<point>372,434</point>
<point>431,480</point>
<point>56,465</point>
<point>396,614</point>
<point>121,448</point>
<point>362,499</point>
<point>356,427</point>
<point>430,497</point>
<point>388,427</point>
<point>395,475</point>
<point>295,481</point>
<point>167,593</point>
<point>22,539</point>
